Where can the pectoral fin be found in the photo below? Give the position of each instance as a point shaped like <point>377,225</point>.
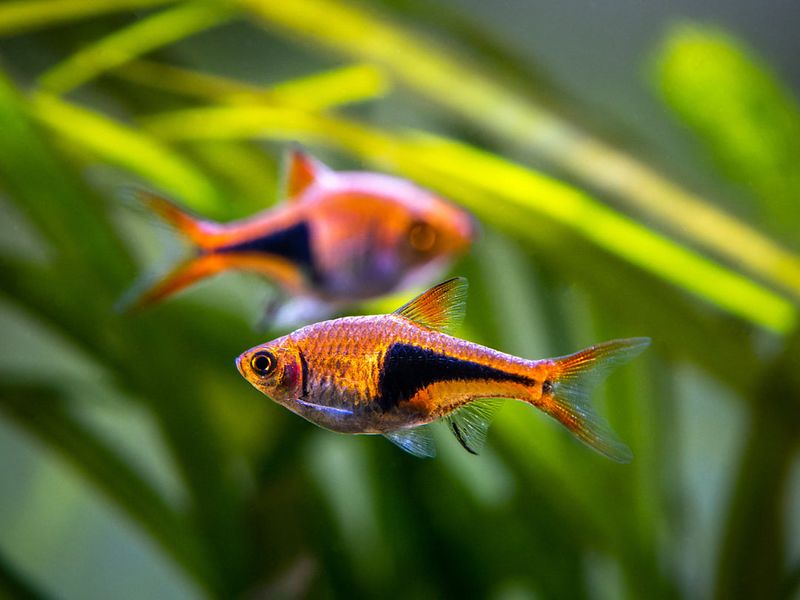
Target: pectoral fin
<point>417,441</point>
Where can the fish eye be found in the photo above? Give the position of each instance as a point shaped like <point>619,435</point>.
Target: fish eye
<point>263,363</point>
<point>422,236</point>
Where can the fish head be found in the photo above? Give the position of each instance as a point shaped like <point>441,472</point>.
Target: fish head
<point>434,228</point>
<point>275,369</point>
<point>413,220</point>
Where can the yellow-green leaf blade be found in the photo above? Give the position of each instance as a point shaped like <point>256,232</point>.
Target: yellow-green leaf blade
<point>120,145</point>
<point>123,45</point>
<point>26,15</point>
<point>739,111</point>
<point>318,91</point>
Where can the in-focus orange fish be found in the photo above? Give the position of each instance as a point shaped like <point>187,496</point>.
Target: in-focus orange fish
<point>395,374</point>
<point>340,237</point>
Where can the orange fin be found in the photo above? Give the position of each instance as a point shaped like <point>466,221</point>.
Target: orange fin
<point>154,288</point>
<point>441,308</point>
<point>568,396</point>
<point>302,171</point>
<point>150,290</point>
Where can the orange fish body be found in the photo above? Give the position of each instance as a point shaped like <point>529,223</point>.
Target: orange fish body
<point>394,374</point>
<point>341,237</point>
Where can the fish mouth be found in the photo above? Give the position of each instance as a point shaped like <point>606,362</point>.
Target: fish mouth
<point>239,362</point>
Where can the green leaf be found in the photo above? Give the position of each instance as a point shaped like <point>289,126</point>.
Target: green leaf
<point>42,412</point>
<point>740,112</point>
<point>15,585</point>
<point>141,37</point>
<point>26,15</point>
<point>140,354</point>
<point>757,516</point>
<point>33,176</point>
<point>121,145</point>
<point>343,85</point>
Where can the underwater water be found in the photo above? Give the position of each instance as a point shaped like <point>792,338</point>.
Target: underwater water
<point>634,169</point>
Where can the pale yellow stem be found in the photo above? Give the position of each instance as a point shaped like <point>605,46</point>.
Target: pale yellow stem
<point>123,45</point>
<point>26,15</point>
<point>343,85</point>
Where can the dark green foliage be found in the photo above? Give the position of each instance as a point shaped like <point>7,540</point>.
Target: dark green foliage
<point>231,496</point>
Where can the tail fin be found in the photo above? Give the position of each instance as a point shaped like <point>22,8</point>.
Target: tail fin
<point>568,397</point>
<point>152,288</point>
<point>193,228</point>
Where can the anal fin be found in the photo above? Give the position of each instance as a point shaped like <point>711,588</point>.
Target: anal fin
<point>470,423</point>
<point>417,440</point>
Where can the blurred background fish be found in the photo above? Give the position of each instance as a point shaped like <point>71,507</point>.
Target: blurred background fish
<point>338,238</point>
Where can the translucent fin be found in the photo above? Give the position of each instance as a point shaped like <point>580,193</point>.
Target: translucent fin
<point>274,304</point>
<point>441,308</point>
<point>151,289</point>
<point>568,396</point>
<point>300,310</point>
<point>302,170</point>
<point>470,423</point>
<point>417,441</point>
<point>186,224</point>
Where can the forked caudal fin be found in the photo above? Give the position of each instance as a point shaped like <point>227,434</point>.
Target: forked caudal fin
<point>567,396</point>
<point>153,287</point>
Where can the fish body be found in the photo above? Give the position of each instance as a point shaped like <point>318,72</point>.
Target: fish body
<point>395,374</point>
<point>341,237</point>
<point>381,373</point>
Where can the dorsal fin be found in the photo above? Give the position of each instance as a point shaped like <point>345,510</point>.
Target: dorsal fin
<point>301,172</point>
<point>441,308</point>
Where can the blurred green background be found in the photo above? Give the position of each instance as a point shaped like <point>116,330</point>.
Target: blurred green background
<point>636,169</point>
